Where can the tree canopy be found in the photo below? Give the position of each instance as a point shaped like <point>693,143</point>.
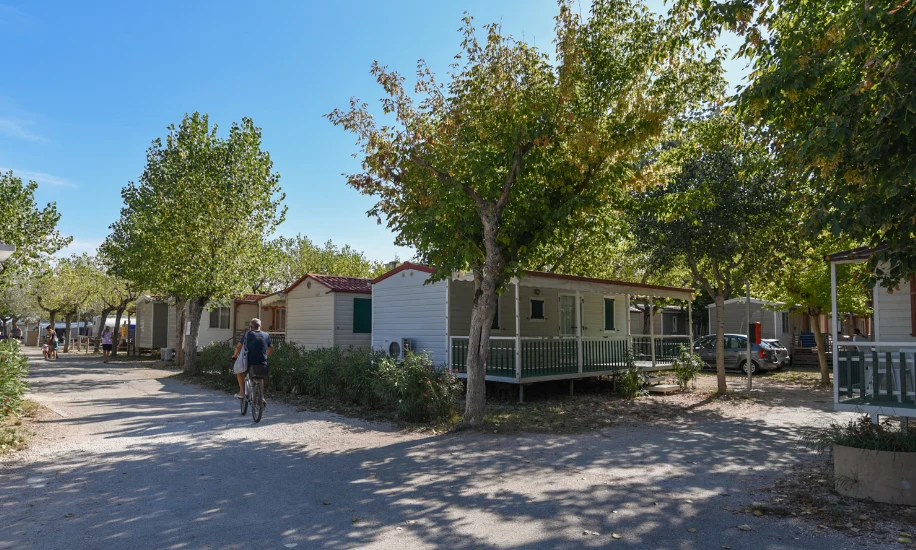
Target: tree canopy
<point>289,258</point>
<point>477,172</point>
<point>32,230</point>
<point>195,224</point>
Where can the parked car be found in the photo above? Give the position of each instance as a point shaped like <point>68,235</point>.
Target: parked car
<point>782,353</point>
<point>763,357</point>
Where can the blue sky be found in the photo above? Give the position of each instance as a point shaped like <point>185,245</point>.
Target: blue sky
<point>86,86</point>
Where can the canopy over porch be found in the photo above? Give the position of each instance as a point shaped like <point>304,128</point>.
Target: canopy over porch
<point>551,326</point>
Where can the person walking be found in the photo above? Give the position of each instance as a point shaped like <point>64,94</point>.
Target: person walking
<point>16,332</point>
<point>106,343</point>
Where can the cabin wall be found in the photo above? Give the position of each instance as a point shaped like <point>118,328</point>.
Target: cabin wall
<point>310,310</point>
<point>343,321</point>
<point>893,314</point>
<point>143,334</point>
<point>403,307</point>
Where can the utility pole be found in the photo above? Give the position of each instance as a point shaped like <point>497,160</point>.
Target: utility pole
<point>748,364</point>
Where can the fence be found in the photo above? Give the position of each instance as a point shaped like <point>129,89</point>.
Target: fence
<point>867,374</point>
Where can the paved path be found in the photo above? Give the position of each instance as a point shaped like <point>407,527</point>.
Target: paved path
<point>133,459</point>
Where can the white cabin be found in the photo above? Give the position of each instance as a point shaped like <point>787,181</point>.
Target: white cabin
<point>327,311</point>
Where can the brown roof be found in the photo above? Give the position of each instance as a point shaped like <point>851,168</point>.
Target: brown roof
<point>862,253</point>
<point>252,298</point>
<point>427,269</point>
<point>336,283</point>
<point>404,266</point>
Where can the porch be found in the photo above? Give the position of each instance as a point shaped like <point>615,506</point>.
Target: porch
<point>563,327</point>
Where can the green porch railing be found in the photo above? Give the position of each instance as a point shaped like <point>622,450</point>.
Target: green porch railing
<point>549,357</point>
<point>667,348</point>
<point>868,375</point>
<point>500,357</point>
<point>604,355</point>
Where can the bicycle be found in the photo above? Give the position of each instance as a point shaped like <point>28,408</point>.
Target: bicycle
<point>254,395</point>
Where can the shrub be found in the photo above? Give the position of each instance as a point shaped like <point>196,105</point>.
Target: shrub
<point>631,381</point>
<point>413,388</point>
<point>862,434</point>
<point>687,366</point>
<point>14,370</point>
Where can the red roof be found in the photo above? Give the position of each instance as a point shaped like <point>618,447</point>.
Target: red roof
<point>402,267</point>
<point>337,283</point>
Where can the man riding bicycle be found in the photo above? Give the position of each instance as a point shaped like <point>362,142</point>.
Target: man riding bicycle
<point>259,348</point>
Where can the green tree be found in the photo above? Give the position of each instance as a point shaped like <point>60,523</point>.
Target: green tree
<point>834,82</point>
<point>31,230</point>
<point>16,300</point>
<point>802,278</point>
<point>287,259</point>
<point>195,225</point>
<point>714,215</point>
<point>64,289</point>
<point>477,172</point>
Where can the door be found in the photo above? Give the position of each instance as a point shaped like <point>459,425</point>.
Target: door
<point>735,351</point>
<point>160,325</point>
<point>568,325</point>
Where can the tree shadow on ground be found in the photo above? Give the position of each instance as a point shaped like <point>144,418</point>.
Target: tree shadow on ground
<point>192,474</point>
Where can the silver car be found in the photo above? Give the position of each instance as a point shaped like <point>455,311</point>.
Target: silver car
<point>763,357</point>
<point>782,353</point>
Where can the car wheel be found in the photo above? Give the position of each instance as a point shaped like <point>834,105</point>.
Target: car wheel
<point>755,368</point>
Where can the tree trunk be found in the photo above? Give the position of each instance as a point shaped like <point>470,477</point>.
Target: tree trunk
<point>821,344</point>
<point>180,320</point>
<point>722,388</point>
<point>98,334</point>
<point>646,318</point>
<point>195,311</point>
<point>3,321</point>
<point>68,320</point>
<point>482,314</point>
<point>116,333</point>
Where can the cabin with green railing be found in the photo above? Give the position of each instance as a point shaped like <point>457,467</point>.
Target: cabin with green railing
<point>547,326</point>
<point>877,377</point>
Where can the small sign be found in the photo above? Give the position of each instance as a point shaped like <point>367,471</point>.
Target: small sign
<point>187,329</point>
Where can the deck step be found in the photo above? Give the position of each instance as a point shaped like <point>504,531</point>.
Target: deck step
<point>655,380</point>
<point>664,389</point>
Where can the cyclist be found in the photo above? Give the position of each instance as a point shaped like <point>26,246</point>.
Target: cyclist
<point>259,349</point>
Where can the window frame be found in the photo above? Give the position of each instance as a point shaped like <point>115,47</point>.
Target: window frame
<point>613,300</point>
<point>217,313</point>
<point>531,316</point>
<point>497,324</point>
<point>912,306</point>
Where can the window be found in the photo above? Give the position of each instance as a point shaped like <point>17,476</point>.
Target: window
<point>362,315</point>
<point>219,317</point>
<point>609,314</point>
<point>674,324</point>
<point>537,310</point>
<point>279,323</point>
<point>495,325</point>
<point>785,322</point>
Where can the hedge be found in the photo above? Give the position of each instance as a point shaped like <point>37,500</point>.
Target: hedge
<point>14,370</point>
<point>413,388</point>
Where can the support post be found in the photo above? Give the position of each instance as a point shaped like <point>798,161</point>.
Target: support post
<point>833,332</point>
<point>690,322</point>
<point>652,332</point>
<point>627,322</point>
<point>578,330</point>
<point>749,363</point>
<point>571,383</point>
<point>518,338</point>
<point>521,393</point>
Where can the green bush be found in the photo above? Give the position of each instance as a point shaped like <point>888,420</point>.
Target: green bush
<point>14,370</point>
<point>412,388</point>
<point>687,366</point>
<point>631,382</point>
<point>862,434</point>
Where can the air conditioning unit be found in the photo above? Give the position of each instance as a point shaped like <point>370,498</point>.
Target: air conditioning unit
<point>398,347</point>
<point>166,354</point>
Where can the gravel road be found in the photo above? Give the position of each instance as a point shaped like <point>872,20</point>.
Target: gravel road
<point>129,458</point>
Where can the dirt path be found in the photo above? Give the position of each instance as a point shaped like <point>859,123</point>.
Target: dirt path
<point>133,459</point>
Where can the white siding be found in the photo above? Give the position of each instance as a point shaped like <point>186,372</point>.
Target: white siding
<point>242,314</point>
<point>173,321</point>
<point>343,321</point>
<point>309,312</point>
<point>402,307</point>
<point>892,311</point>
<point>207,335</point>
<point>736,321</point>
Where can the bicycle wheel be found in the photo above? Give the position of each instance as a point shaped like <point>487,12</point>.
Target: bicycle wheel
<point>257,399</point>
<point>244,400</point>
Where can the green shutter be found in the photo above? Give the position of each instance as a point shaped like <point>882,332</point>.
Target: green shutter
<point>362,315</point>
<point>608,314</point>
